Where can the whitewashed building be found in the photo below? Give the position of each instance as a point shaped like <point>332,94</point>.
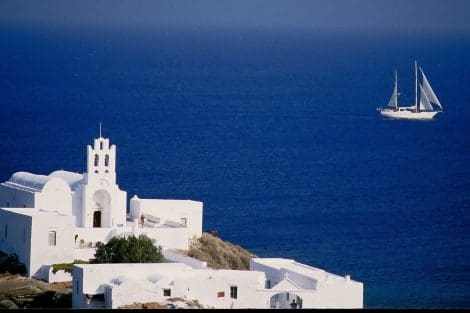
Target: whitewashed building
<point>311,287</point>
<point>270,283</point>
<point>56,218</point>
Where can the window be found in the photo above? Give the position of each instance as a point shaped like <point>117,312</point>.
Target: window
<point>268,284</point>
<point>167,292</point>
<point>220,294</point>
<point>76,286</point>
<point>52,238</point>
<point>106,160</point>
<point>96,159</point>
<point>184,221</point>
<point>233,292</point>
<point>101,145</point>
<point>6,231</point>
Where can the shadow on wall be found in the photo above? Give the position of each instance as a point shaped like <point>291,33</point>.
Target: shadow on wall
<point>285,300</point>
<point>9,264</point>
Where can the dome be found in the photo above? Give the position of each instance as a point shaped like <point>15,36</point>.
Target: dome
<point>71,178</point>
<point>29,180</point>
<point>37,182</point>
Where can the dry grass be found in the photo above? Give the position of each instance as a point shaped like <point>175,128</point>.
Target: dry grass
<point>174,299</point>
<point>149,305</point>
<point>220,254</point>
<point>195,304</point>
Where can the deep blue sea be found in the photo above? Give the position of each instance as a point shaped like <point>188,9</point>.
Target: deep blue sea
<point>275,131</point>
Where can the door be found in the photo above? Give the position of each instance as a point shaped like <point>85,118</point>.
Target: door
<point>97,219</point>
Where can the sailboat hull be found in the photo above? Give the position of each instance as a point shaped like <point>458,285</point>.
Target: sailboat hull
<point>407,114</point>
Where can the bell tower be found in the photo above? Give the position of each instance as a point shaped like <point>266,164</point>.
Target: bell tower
<point>101,162</point>
<point>100,202</point>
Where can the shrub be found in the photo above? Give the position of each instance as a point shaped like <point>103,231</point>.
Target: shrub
<point>67,267</point>
<point>128,250</point>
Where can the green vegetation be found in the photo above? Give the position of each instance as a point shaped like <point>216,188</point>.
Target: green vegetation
<point>66,266</point>
<point>220,254</point>
<point>128,250</point>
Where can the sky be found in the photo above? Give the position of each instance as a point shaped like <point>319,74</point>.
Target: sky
<point>274,14</point>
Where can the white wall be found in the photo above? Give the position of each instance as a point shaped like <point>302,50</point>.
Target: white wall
<point>18,239</point>
<point>128,283</point>
<point>59,276</point>
<point>28,233</point>
<point>166,237</point>
<point>119,209</point>
<point>91,277</point>
<point>204,286</point>
<point>111,215</point>
<point>178,258</point>
<point>145,283</point>
<point>78,293</point>
<point>124,294</point>
<point>84,254</point>
<point>319,289</point>
<point>301,280</point>
<point>77,203</point>
<point>171,210</point>
<point>94,235</point>
<point>337,294</point>
<point>42,253</point>
<point>15,197</point>
<point>272,274</point>
<point>55,194</point>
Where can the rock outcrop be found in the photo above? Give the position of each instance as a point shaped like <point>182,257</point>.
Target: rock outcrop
<point>220,254</point>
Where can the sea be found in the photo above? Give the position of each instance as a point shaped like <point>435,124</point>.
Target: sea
<point>275,130</point>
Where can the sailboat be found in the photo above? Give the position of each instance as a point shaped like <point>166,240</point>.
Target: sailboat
<point>423,110</point>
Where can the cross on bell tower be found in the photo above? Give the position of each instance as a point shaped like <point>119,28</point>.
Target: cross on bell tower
<point>101,161</point>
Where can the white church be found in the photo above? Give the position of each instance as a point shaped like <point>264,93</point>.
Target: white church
<point>59,218</point>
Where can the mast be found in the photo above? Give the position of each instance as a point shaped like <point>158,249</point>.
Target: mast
<point>416,86</point>
<point>396,90</point>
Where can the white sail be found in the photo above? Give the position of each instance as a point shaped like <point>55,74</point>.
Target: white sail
<point>424,104</point>
<point>394,99</point>
<point>431,96</point>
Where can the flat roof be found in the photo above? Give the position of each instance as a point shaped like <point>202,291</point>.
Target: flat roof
<point>293,266</point>
<point>34,211</point>
<point>115,267</point>
<point>158,271</point>
<point>131,224</point>
<point>169,201</point>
